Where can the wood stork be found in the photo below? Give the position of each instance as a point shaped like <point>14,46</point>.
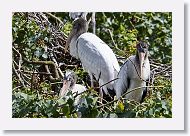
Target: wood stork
<point>69,84</point>
<point>96,56</point>
<point>134,73</point>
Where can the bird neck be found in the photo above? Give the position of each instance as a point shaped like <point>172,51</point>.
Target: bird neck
<point>74,35</point>
<point>137,58</point>
<point>72,85</point>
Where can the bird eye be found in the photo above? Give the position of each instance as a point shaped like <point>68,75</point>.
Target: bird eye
<point>144,46</point>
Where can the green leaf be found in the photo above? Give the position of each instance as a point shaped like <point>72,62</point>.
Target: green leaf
<point>150,31</point>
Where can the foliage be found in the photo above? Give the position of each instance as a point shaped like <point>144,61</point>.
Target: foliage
<point>159,104</point>
<point>128,28</point>
<point>29,38</point>
<point>37,96</point>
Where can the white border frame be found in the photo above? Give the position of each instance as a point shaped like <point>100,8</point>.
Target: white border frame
<point>174,123</point>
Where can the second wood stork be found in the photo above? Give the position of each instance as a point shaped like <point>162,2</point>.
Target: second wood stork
<point>133,74</point>
<point>96,56</point>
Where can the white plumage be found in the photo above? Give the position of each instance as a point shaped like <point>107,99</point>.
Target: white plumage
<point>134,72</point>
<point>96,57</point>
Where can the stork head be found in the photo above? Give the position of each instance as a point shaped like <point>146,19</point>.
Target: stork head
<point>142,54</point>
<point>80,26</point>
<point>76,15</point>
<point>69,82</point>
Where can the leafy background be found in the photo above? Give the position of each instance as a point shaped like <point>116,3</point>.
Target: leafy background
<point>38,41</point>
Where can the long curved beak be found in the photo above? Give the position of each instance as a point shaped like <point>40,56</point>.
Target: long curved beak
<point>141,60</point>
<point>65,87</point>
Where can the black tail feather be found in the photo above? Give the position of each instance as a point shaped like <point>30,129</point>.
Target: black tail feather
<point>144,93</point>
<point>110,96</point>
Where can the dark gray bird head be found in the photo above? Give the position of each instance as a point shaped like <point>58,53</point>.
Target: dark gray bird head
<point>142,54</point>
<point>80,26</point>
<point>76,15</point>
<point>69,80</point>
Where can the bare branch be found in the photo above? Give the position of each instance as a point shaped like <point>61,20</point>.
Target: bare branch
<point>18,75</point>
<point>20,58</point>
<point>54,17</point>
<point>46,63</point>
<point>57,66</point>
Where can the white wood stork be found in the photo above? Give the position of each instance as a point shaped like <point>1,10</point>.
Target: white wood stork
<point>134,73</point>
<point>69,84</point>
<point>96,56</point>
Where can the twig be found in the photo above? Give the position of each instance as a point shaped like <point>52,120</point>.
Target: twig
<point>164,70</point>
<point>40,73</point>
<point>107,83</point>
<point>15,63</point>
<point>57,66</point>
<point>54,17</point>
<point>18,76</point>
<point>66,65</point>
<point>50,76</point>
<point>46,63</point>
<point>22,76</point>
<point>20,58</point>
<point>56,83</point>
<point>111,35</point>
<point>16,87</point>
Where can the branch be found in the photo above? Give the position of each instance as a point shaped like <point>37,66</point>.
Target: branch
<point>20,58</point>
<point>46,63</point>
<point>128,93</point>
<point>164,70</point>
<point>111,35</point>
<point>54,17</point>
<point>56,64</point>
<point>40,73</point>
<point>50,76</point>
<point>18,75</point>
<point>108,82</point>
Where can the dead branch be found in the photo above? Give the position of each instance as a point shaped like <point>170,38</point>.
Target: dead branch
<point>54,17</point>
<point>50,76</point>
<point>46,63</point>
<point>20,58</point>
<point>40,73</point>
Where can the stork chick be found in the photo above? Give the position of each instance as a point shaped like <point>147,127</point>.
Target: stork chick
<point>133,74</point>
<point>69,84</point>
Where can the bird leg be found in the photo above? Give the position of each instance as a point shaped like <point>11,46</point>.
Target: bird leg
<point>101,95</point>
